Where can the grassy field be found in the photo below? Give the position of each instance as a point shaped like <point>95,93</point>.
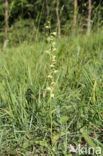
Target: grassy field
<point>35,121</point>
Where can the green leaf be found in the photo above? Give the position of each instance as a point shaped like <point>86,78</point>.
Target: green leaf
<point>57,136</point>
<point>64,119</point>
<point>87,138</point>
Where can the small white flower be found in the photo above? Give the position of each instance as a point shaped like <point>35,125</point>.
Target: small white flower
<point>49,89</point>
<point>47,52</point>
<point>52,66</point>
<point>53,62</point>
<point>54,49</point>
<point>55,71</point>
<point>52,38</point>
<point>53,58</point>
<point>44,94</point>
<point>49,76</point>
<point>47,27</point>
<point>53,83</point>
<point>53,43</point>
<point>53,33</point>
<point>52,95</point>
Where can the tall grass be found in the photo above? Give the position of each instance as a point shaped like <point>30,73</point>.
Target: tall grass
<point>77,104</point>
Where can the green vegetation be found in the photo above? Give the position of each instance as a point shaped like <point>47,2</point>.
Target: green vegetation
<point>25,123</point>
<point>51,79</point>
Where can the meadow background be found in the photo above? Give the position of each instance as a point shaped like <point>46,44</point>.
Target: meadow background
<point>51,76</point>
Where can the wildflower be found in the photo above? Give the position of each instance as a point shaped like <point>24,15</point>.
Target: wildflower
<point>53,43</point>
<point>49,89</point>
<point>52,38</point>
<point>52,95</point>
<point>44,94</point>
<point>53,33</point>
<point>54,49</point>
<point>47,27</point>
<point>53,62</point>
<point>49,76</point>
<point>48,39</point>
<point>48,22</point>
<point>47,51</point>
<point>53,83</point>
<point>52,66</point>
<point>53,58</point>
<point>55,71</point>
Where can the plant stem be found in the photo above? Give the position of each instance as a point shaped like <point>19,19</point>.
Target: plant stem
<point>51,120</point>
